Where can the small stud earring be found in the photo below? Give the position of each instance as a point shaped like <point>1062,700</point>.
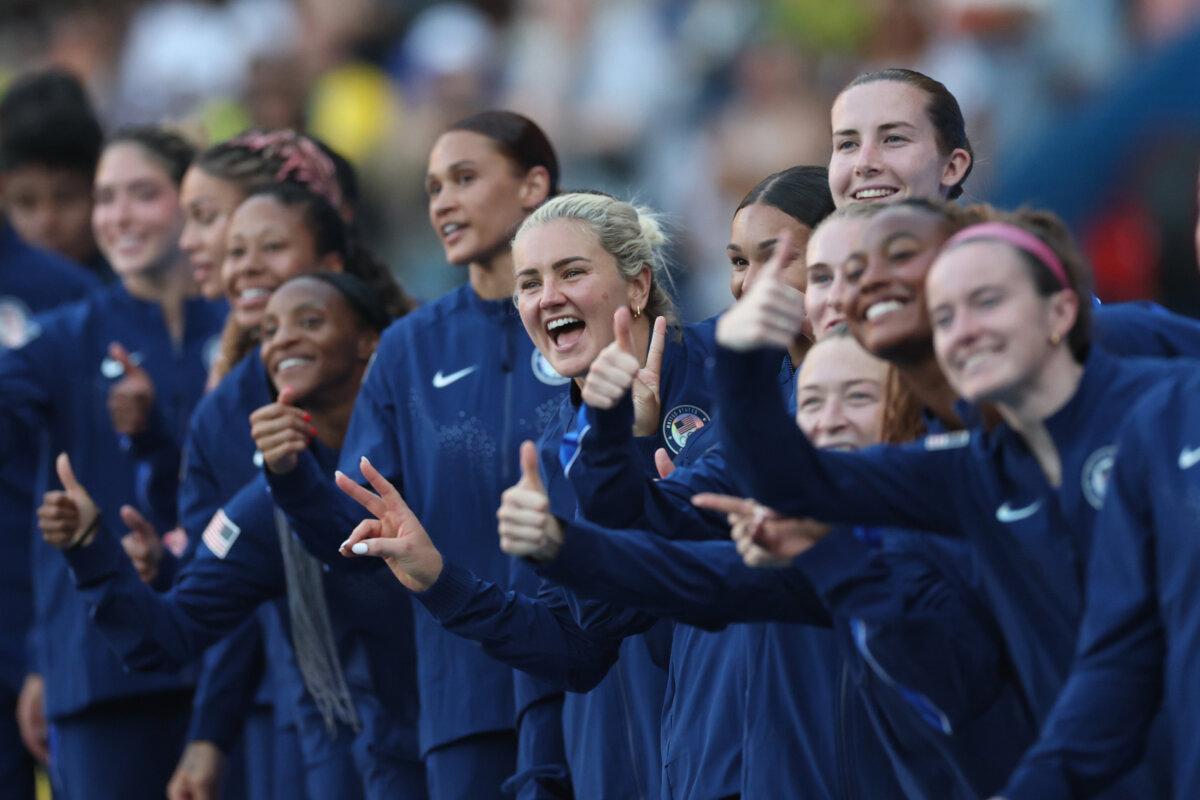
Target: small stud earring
<point>1055,339</point>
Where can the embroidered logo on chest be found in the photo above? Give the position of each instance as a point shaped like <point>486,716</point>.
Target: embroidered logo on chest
<point>679,423</point>
<point>17,327</point>
<point>1096,472</point>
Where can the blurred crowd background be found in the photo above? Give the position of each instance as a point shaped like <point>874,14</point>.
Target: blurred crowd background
<point>1089,107</point>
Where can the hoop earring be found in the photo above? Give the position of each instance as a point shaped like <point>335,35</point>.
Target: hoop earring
<point>637,312</point>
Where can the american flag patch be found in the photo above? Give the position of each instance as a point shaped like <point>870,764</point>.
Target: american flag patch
<point>220,534</point>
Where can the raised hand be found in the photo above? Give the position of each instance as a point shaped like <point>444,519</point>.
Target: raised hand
<point>618,368</point>
<point>141,544</point>
<point>67,517</point>
<point>130,399</point>
<point>281,432</point>
<point>763,538</point>
<point>527,528</point>
<point>395,534</point>
<point>771,313</point>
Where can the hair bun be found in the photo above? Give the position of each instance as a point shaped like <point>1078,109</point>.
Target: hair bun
<point>652,230</point>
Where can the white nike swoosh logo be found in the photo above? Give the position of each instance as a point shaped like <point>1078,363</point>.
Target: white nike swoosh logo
<point>1189,458</point>
<point>1006,513</point>
<point>441,381</point>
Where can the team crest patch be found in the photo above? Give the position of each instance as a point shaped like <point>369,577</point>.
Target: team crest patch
<point>679,423</point>
<point>1096,472</point>
<point>544,372</point>
<point>17,326</point>
<point>947,441</point>
<point>220,534</point>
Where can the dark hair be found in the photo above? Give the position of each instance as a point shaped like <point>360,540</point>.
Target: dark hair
<point>260,158</point>
<point>944,112</point>
<point>172,150</point>
<point>46,119</point>
<point>358,295</point>
<point>331,235</point>
<point>800,192</point>
<point>518,138</point>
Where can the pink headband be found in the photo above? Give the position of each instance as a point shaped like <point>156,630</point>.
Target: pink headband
<point>1019,238</point>
<point>301,161</point>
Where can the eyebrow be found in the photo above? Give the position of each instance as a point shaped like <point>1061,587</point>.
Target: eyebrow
<point>457,165</point>
<point>556,266</point>
<point>887,126</point>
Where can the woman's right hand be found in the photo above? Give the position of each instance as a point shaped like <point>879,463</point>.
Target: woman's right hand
<point>527,528</point>
<point>763,538</point>
<point>395,534</point>
<point>771,313</point>
<point>67,516</point>
<point>31,718</point>
<point>131,399</point>
<point>281,432</point>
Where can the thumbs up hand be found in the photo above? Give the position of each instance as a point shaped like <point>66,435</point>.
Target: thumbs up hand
<point>141,544</point>
<point>618,368</point>
<point>527,528</point>
<point>130,399</point>
<point>395,534</point>
<point>770,313</point>
<point>282,432</point>
<point>68,518</point>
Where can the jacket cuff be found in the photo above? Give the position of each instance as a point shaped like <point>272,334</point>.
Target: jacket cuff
<point>614,424</point>
<point>833,560</point>
<point>450,593</point>
<point>92,563</point>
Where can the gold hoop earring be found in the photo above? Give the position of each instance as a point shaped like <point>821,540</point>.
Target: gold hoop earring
<point>637,312</point>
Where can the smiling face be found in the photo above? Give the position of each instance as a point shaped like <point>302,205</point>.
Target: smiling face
<point>885,147</point>
<point>477,196</point>
<point>268,243</point>
<point>752,239</point>
<point>840,396</point>
<point>313,342</point>
<point>992,331</point>
<point>136,217</point>
<point>884,299</point>
<point>51,207</point>
<point>208,206</point>
<point>568,288</point>
<point>830,251</point>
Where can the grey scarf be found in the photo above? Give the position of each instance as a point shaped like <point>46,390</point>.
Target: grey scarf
<point>312,632</point>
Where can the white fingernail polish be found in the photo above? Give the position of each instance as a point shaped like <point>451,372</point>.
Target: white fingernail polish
<point>359,549</point>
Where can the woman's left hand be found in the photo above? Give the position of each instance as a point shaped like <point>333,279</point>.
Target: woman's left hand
<point>527,528</point>
<point>131,399</point>
<point>764,539</point>
<point>618,369</point>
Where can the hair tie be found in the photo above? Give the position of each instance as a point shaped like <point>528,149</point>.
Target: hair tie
<point>301,161</point>
<point>1019,238</point>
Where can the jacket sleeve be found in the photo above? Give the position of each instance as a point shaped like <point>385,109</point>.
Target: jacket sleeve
<point>614,489</point>
<point>699,583</point>
<point>151,631</point>
<point>232,670</point>
<point>914,621</point>
<point>537,635</point>
<point>771,460</point>
<point>156,457</point>
<point>27,384</point>
<point>1098,727</point>
<point>1146,329</point>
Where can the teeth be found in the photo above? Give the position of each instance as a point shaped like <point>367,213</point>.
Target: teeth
<point>871,194</point>
<point>288,363</point>
<point>554,325</point>
<point>885,307</point>
<point>974,360</point>
<point>451,227</point>
<point>254,294</point>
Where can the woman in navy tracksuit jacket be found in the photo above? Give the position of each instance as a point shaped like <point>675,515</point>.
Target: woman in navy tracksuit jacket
<point>578,258</point>
<point>32,281</point>
<point>280,231</point>
<point>1028,516</point>
<point>111,729</point>
<point>455,387</point>
<point>1137,646</point>
<point>319,334</point>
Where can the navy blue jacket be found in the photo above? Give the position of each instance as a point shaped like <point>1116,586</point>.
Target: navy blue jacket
<point>1139,633</point>
<point>1033,541</point>
<point>454,389</point>
<point>60,382</point>
<point>32,281</point>
<point>216,591</point>
<point>219,458</point>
